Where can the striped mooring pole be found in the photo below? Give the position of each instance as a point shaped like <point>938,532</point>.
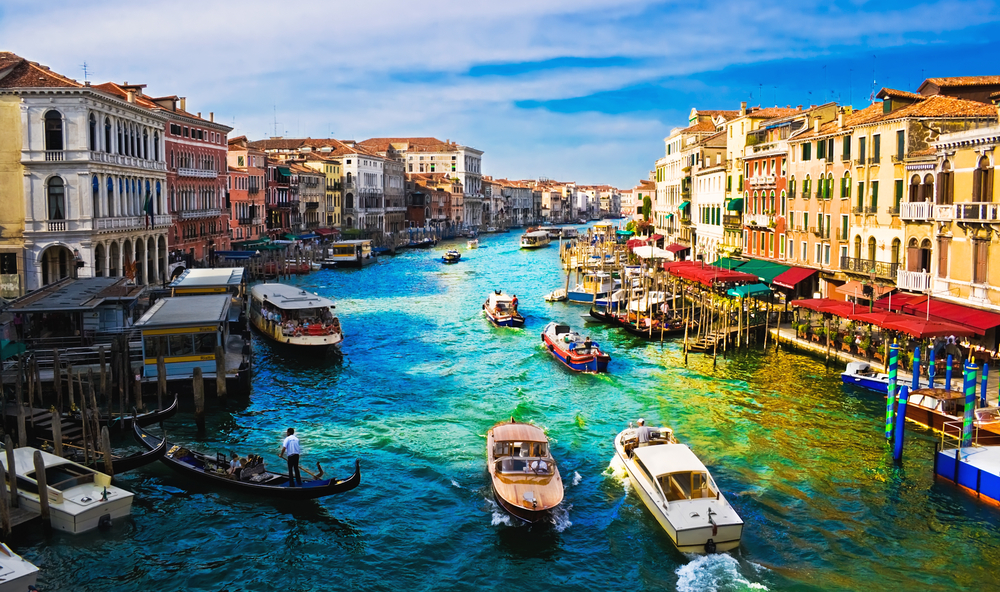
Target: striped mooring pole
<point>890,395</point>
<point>931,370</point>
<point>947,373</point>
<point>897,448</point>
<point>969,388</point>
<point>915,368</point>
<point>982,389</point>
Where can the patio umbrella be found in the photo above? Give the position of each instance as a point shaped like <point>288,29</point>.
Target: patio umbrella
<point>922,328</point>
<point>878,318</point>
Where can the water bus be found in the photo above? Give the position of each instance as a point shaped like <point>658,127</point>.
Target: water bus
<point>535,240</point>
<point>348,253</point>
<point>525,478</point>
<point>291,316</point>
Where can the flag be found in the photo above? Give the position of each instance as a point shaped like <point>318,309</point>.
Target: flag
<point>148,208</point>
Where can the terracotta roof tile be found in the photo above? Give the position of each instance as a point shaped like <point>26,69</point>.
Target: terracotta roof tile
<point>943,106</point>
<point>772,112</point>
<point>995,96</point>
<point>700,127</point>
<point>25,74</point>
<point>383,144</point>
<point>892,92</point>
<point>337,148</point>
<point>954,81</point>
<point>715,112</point>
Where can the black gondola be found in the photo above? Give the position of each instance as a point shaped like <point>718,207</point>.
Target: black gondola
<point>607,318</point>
<point>671,330</point>
<point>134,461</point>
<point>125,423</point>
<point>212,469</point>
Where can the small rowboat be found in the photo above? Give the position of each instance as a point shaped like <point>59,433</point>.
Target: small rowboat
<point>575,352</point>
<point>212,469</point>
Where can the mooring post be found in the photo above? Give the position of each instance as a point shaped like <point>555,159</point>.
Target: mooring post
<point>57,378</point>
<point>57,443</point>
<point>43,489</point>
<point>12,470</point>
<point>4,507</point>
<point>947,374</point>
<point>104,379</point>
<point>915,369</point>
<point>897,449</point>
<point>22,427</point>
<point>982,390</point>
<point>220,370</point>
<point>931,368</point>
<point>891,391</point>
<point>199,399</point>
<point>161,381</point>
<point>106,450</point>
<point>969,388</point>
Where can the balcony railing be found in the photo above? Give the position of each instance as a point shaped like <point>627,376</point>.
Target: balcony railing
<point>732,220</point>
<point>312,205</point>
<point>858,210</point>
<point>244,221</point>
<point>56,226</point>
<point>916,281</point>
<point>867,267</point>
<point>54,155</point>
<point>759,220</point>
<point>916,210</point>
<point>197,173</point>
<point>944,213</point>
<point>874,160</point>
<point>131,222</point>
<point>132,161</point>
<point>822,232</point>
<point>762,180</point>
<point>870,211</point>
<point>859,161</point>
<point>193,214</point>
<point>977,212</point>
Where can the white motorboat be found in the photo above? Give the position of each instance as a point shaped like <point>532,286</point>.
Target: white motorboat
<point>598,283</point>
<point>556,295</point>
<point>679,491</point>
<point>290,315</point>
<point>645,301</point>
<point>501,310</point>
<point>80,498</point>
<point>472,244</point>
<point>16,574</point>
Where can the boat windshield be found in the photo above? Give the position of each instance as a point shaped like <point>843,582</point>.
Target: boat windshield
<point>687,485</point>
<point>530,458</point>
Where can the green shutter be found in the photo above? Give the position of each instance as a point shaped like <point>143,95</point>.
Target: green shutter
<point>876,146</point>
<point>874,196</point>
<point>847,147</point>
<point>729,183</point>
<point>899,194</point>
<point>861,195</point>
<point>900,145</point>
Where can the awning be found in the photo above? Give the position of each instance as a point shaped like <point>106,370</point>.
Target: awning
<point>896,302</point>
<point>683,205</point>
<point>285,171</point>
<point>308,236</point>
<point>668,216</point>
<point>9,349</point>
<point>765,270</point>
<point>290,236</point>
<point>922,328</point>
<point>753,290</point>
<point>728,262</point>
<point>979,320</point>
<point>676,248</point>
<point>856,288</point>
<point>648,252</point>
<point>324,231</point>
<point>624,232</point>
<point>735,205</point>
<point>656,237</point>
<point>794,276</point>
<point>826,305</point>
<point>635,242</point>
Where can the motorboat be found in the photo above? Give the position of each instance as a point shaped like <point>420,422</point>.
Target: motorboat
<point>16,573</point>
<point>936,407</point>
<point>653,328</point>
<point>525,478</point>
<point>595,285</point>
<point>678,490</point>
<point>501,310</point>
<point>573,350</point>
<point>253,478</point>
<point>472,244</point>
<point>289,315</point>
<point>647,300</point>
<point>558,295</point>
<point>535,240</point>
<point>451,256</point>
<point>80,498</point>
<point>863,375</point>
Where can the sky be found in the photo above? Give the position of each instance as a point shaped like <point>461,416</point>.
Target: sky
<point>574,90</point>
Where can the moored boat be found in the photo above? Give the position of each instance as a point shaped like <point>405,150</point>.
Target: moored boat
<point>251,479</point>
<point>863,375</point>
<point>573,350</point>
<point>451,256</point>
<point>525,479</point>
<point>290,315</point>
<point>501,310</point>
<point>678,490</point>
<point>80,498</point>
<point>16,573</point>
<point>535,240</point>
<point>558,295</point>
<point>596,285</point>
<point>935,407</point>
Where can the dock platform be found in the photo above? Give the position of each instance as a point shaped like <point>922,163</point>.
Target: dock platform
<point>974,468</point>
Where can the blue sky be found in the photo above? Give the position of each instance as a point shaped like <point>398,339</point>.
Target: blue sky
<point>581,90</point>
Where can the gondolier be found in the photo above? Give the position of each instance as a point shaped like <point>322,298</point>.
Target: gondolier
<point>291,446</point>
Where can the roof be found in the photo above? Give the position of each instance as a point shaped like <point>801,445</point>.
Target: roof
<point>289,297</point>
<point>700,127</point>
<point>518,432</point>
<point>75,295</point>
<point>892,92</point>
<point>383,144</point>
<point>185,311</point>
<point>664,459</point>
<point>772,112</point>
<point>717,112</point>
<point>957,81</point>
<point>205,278</point>
<point>939,310</point>
<point>336,147</point>
<point>17,72</point>
<point>794,276</point>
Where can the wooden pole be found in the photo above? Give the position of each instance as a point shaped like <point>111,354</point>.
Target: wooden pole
<point>104,380</point>
<point>199,399</point>
<point>15,502</point>
<point>137,392</point>
<point>57,440</point>
<point>4,508</point>
<point>31,390</point>
<point>106,449</point>
<point>85,429</point>
<point>43,489</point>
<point>826,323</point>
<point>161,381</point>
<point>220,369</point>
<point>95,421</point>
<point>767,320</point>
<point>22,428</point>
<point>57,378</point>
<point>122,374</point>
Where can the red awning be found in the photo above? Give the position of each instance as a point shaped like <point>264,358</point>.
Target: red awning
<point>656,237</point>
<point>837,307</point>
<point>635,242</point>
<point>979,321</point>
<point>922,328</point>
<point>856,288</point>
<point>324,231</point>
<point>672,266</point>
<point>676,248</point>
<point>709,274</point>
<point>794,276</point>
<point>878,317</point>
<point>898,301</point>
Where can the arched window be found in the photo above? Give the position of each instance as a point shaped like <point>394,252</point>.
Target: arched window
<point>121,138</point>
<point>772,208</point>
<point>928,193</point>
<point>111,197</point>
<point>791,187</point>
<point>53,130</point>
<point>156,147</point>
<point>946,185</point>
<point>107,135</point>
<point>349,203</point>
<point>145,144</point>
<point>93,132</point>
<point>95,187</point>
<point>348,178</point>
<point>159,203</point>
<point>845,186</point>
<point>872,248</point>
<point>806,187</point>
<point>895,251</point>
<point>57,199</point>
<point>857,247</point>
<point>982,181</point>
<point>915,194</point>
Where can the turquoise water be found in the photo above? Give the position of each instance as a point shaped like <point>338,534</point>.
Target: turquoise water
<point>423,376</point>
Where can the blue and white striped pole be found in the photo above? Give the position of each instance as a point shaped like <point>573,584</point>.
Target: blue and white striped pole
<point>947,374</point>
<point>890,394</point>
<point>969,388</point>
<point>931,370</point>
<point>915,368</point>
<point>897,449</point>
<point>982,390</point>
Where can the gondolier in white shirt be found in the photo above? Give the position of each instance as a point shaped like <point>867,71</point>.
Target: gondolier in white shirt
<point>291,446</point>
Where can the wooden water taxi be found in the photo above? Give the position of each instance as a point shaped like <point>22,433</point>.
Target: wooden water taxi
<point>935,407</point>
<point>451,256</point>
<point>501,310</point>
<point>679,491</point>
<point>577,353</point>
<point>525,478</point>
<point>535,240</point>
<point>292,316</point>
<point>80,498</point>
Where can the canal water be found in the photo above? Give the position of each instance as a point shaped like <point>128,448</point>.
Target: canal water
<point>422,378</point>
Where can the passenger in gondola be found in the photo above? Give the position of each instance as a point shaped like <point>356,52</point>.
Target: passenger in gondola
<point>235,465</point>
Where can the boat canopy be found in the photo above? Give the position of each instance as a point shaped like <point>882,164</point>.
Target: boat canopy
<point>665,459</point>
<point>537,234</point>
<point>288,297</point>
<point>518,432</point>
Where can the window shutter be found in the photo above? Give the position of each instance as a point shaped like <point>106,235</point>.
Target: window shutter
<point>874,197</point>
<point>988,194</point>
<point>982,251</point>
<point>976,182</point>
<point>943,244</point>
<point>899,193</point>
<point>912,259</point>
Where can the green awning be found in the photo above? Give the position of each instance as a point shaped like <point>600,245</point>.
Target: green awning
<point>683,205</point>
<point>290,236</point>
<point>624,232</point>
<point>752,290</point>
<point>735,205</point>
<point>285,171</point>
<point>9,349</point>
<point>668,216</point>
<point>765,270</point>
<point>728,263</point>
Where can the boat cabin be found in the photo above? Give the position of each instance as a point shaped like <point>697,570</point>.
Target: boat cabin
<point>517,450</point>
<point>185,331</point>
<point>939,399</point>
<point>597,282</point>
<point>676,472</point>
<point>536,238</point>
<point>226,280</point>
<point>350,252</point>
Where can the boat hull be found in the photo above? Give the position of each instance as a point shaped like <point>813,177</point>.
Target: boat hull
<point>591,363</point>
<point>503,320</point>
<point>272,331</point>
<point>519,512</point>
<point>584,297</point>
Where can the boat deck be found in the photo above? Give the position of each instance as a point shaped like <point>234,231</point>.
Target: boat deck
<point>977,469</point>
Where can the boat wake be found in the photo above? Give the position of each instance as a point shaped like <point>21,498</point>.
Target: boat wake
<point>576,479</point>
<point>617,470</point>
<point>455,484</point>
<point>560,518</point>
<point>713,573</point>
<point>499,516</point>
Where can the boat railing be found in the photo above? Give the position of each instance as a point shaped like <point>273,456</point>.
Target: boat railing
<point>951,435</point>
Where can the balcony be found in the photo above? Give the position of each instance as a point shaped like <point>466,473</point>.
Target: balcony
<point>253,190</point>
<point>759,181</point>
<point>822,233</point>
<point>985,212</point>
<point>732,220</point>
<point>131,161</point>
<point>56,226</point>
<point>197,173</point>
<point>244,221</point>
<point>759,220</point>
<point>874,160</point>
<point>131,222</point>
<point>859,161</point>
<point>858,210</point>
<point>54,155</point>
<point>871,211</point>
<point>915,281</point>
<point>893,211</point>
<point>312,205</point>
<point>944,213</point>
<point>916,211</point>
<point>868,267</point>
<point>194,214</point>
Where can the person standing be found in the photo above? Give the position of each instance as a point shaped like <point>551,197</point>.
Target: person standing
<point>291,446</point>
<point>643,433</point>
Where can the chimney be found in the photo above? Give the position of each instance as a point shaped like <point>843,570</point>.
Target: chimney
<point>131,96</point>
<point>816,124</point>
<point>211,115</point>
<point>743,107</point>
<point>199,115</point>
<point>840,119</point>
<point>184,103</point>
<point>799,108</point>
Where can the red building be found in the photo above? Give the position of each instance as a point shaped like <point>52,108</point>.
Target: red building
<point>765,201</point>
<point>278,199</point>
<point>247,192</point>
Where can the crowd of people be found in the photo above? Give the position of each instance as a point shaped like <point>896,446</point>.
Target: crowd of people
<point>312,321</point>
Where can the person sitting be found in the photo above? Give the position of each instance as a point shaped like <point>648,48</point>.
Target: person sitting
<point>235,465</point>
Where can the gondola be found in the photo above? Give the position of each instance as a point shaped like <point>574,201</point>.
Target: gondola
<point>212,469</point>
<point>125,423</point>
<point>133,461</point>
<point>605,317</point>
<point>672,330</point>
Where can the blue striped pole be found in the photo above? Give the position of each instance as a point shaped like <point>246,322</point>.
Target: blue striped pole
<point>897,449</point>
<point>915,368</point>
<point>890,394</point>
<point>982,390</point>
<point>947,374</point>
<point>969,385</point>
<point>931,370</point>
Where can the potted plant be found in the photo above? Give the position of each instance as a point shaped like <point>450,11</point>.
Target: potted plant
<point>866,343</point>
